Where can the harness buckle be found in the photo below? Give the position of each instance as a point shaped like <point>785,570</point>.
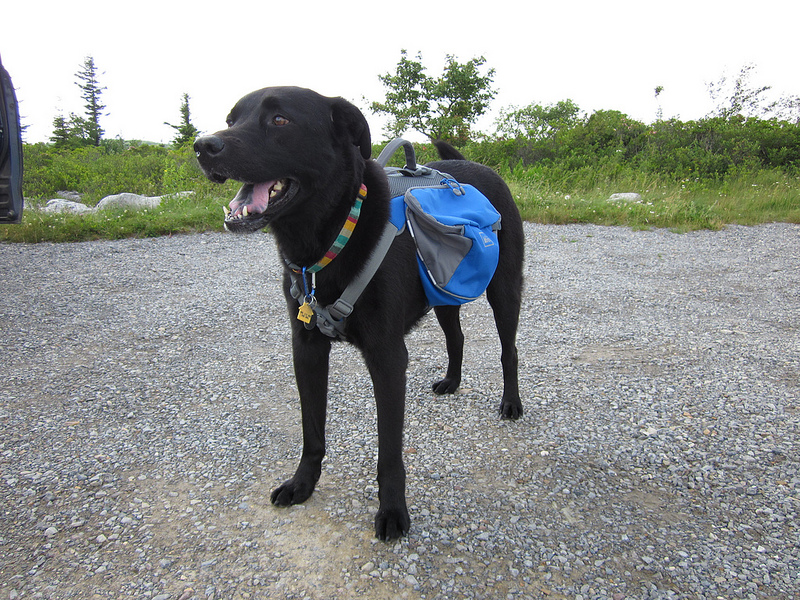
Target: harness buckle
<point>340,309</point>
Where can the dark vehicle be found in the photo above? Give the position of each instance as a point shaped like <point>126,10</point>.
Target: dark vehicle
<point>10,153</point>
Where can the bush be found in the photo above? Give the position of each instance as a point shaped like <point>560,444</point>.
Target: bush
<point>96,172</point>
<point>708,148</point>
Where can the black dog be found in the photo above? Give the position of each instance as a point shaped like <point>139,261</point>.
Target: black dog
<point>303,158</point>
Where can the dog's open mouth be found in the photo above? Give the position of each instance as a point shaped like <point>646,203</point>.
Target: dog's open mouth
<point>254,204</point>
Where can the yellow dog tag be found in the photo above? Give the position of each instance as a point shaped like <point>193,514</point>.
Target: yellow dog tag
<point>305,313</point>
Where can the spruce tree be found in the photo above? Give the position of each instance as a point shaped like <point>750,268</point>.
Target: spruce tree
<point>62,132</point>
<point>69,133</point>
<point>91,92</point>
<point>186,132</point>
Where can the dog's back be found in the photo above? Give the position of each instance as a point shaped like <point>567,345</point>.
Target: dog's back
<point>490,185</point>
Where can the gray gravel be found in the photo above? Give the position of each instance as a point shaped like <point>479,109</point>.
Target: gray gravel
<point>147,408</point>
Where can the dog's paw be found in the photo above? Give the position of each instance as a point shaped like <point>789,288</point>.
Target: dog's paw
<point>446,386</point>
<point>511,409</point>
<point>291,492</point>
<point>391,524</point>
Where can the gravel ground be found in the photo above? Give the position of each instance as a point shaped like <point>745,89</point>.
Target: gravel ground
<point>148,407</point>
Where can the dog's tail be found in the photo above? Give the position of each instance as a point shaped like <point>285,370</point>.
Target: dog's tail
<point>447,152</point>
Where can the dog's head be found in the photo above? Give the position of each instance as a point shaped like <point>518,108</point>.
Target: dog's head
<point>282,143</point>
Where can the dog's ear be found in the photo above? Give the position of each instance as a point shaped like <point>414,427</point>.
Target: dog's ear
<point>351,122</point>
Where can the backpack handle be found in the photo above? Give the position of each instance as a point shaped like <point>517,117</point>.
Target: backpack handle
<point>391,148</point>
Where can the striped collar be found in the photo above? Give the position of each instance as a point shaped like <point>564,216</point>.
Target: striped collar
<point>341,239</point>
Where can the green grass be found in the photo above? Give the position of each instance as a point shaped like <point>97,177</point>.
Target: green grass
<point>683,206</point>
<point>545,193</point>
<point>768,196</point>
<point>189,214</point>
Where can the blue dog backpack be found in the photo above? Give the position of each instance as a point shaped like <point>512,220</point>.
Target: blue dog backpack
<point>454,227</point>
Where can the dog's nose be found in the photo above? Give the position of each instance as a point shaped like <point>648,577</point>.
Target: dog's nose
<point>208,144</point>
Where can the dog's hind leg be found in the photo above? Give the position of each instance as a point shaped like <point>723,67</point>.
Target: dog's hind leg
<point>505,297</point>
<point>311,357</point>
<point>450,323</point>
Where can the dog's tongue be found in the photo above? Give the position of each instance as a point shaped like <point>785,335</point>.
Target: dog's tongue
<point>255,197</point>
<point>260,197</point>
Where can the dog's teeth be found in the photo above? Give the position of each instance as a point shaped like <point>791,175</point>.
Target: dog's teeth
<point>278,186</point>
<point>226,210</point>
<point>244,211</point>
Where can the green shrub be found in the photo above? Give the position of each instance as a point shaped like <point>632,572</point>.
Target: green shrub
<point>95,172</point>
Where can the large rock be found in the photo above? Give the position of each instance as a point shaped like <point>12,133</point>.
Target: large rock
<point>126,200</point>
<point>59,205</point>
<point>626,197</point>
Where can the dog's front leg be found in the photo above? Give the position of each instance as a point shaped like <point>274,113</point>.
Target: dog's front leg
<point>311,352</point>
<point>387,363</point>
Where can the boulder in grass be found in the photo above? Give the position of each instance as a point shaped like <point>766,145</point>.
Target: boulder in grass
<point>59,205</point>
<point>126,200</point>
<point>625,197</point>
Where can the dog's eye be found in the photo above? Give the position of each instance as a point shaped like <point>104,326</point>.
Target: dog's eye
<point>280,120</point>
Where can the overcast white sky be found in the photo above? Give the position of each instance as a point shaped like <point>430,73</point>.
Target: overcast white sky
<point>601,54</point>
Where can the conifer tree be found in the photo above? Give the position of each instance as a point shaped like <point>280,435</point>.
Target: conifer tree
<point>69,133</point>
<point>186,132</point>
<point>91,92</point>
